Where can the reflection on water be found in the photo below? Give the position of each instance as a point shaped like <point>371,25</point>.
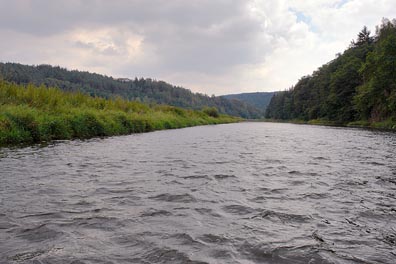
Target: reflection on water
<point>238,193</point>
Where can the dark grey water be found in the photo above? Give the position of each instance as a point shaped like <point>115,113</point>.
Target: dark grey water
<point>238,193</point>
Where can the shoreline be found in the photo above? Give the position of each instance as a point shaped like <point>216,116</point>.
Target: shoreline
<point>31,114</point>
<point>380,126</point>
<point>53,141</point>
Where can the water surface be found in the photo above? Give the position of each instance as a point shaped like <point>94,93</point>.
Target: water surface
<point>237,193</point>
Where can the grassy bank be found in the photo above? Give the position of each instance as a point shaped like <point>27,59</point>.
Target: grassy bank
<point>384,125</point>
<point>31,114</point>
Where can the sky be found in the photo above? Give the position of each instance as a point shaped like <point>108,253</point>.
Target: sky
<point>209,46</point>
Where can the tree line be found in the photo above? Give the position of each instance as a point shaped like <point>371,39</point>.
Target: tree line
<point>144,90</point>
<point>359,85</point>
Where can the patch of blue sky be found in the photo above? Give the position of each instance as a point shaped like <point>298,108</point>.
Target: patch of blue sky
<point>341,3</point>
<point>303,18</point>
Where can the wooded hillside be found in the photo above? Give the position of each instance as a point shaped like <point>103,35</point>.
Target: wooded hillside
<point>358,86</point>
<point>141,90</point>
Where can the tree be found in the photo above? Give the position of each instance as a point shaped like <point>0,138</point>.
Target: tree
<point>363,38</point>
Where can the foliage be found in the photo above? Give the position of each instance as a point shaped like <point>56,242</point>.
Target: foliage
<point>30,114</point>
<point>358,86</point>
<point>211,111</point>
<point>142,90</point>
<point>260,100</point>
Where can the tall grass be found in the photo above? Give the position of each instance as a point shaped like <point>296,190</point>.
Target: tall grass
<point>30,114</point>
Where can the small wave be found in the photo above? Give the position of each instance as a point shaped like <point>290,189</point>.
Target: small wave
<point>282,255</point>
<point>196,177</point>
<point>175,182</point>
<point>284,217</point>
<point>315,195</point>
<point>278,190</point>
<point>183,239</point>
<point>178,198</point>
<point>374,163</point>
<point>165,173</point>
<point>387,179</point>
<point>24,256</point>
<point>298,182</point>
<point>238,209</point>
<point>215,239</point>
<point>273,161</point>
<point>43,215</point>
<point>88,211</point>
<point>153,213</point>
<point>98,222</point>
<point>317,237</point>
<point>104,190</point>
<point>258,199</point>
<point>390,238</point>
<point>167,255</point>
<point>207,211</point>
<point>320,158</point>
<point>136,240</point>
<point>39,233</point>
<point>83,203</point>
<point>222,254</point>
<point>7,225</point>
<point>294,172</point>
<point>223,176</point>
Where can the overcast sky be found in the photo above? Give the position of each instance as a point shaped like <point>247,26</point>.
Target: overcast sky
<point>209,46</point>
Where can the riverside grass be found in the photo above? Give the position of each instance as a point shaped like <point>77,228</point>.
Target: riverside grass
<point>32,114</point>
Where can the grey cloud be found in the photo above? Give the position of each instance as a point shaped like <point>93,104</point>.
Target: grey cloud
<point>210,49</point>
<point>194,38</point>
<point>83,45</point>
<point>51,17</point>
<point>198,35</point>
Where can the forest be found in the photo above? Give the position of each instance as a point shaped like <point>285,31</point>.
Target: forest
<point>139,89</point>
<point>357,88</point>
<point>32,114</point>
<point>260,100</point>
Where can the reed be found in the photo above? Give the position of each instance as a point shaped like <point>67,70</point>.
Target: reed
<point>31,114</point>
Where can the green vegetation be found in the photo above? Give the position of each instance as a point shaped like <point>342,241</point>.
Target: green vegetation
<point>141,90</point>
<point>358,88</point>
<point>30,114</point>
<point>211,111</point>
<point>260,100</point>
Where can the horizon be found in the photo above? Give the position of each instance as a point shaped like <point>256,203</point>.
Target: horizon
<point>213,47</point>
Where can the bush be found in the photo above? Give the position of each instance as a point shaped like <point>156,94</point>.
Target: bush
<point>211,111</point>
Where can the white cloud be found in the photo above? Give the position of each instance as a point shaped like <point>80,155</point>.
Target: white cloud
<point>210,46</point>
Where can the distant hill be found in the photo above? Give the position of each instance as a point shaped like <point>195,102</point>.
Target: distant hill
<point>259,100</point>
<point>143,90</point>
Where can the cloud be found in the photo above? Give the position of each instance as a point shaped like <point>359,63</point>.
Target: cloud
<point>210,46</point>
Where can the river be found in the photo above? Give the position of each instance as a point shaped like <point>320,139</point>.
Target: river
<point>235,193</point>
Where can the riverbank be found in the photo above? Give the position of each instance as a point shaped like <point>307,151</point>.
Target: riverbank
<point>388,125</point>
<point>31,114</point>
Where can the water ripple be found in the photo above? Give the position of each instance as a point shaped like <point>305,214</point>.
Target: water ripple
<point>237,193</point>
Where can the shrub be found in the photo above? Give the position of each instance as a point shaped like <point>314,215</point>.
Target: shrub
<point>211,111</point>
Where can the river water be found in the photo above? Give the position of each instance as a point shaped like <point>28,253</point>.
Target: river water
<point>236,193</point>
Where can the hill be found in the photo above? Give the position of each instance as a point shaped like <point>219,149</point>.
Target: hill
<point>260,100</point>
<point>356,88</point>
<point>142,90</point>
